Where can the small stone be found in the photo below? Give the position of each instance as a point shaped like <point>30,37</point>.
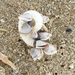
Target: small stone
<point>68,30</point>
<point>71,66</point>
<point>19,40</point>
<point>2,20</point>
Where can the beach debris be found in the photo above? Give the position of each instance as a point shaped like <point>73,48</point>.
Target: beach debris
<point>4,59</point>
<point>29,26</point>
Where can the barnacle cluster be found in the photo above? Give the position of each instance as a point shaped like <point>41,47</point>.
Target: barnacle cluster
<point>30,24</point>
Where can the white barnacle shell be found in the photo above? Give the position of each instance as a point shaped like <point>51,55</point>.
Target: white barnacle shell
<point>31,15</point>
<point>44,35</point>
<point>50,49</point>
<point>36,53</point>
<point>40,44</point>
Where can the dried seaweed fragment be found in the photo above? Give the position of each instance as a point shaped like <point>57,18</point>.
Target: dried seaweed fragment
<point>4,59</point>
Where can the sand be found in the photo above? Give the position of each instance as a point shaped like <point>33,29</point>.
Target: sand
<point>61,25</point>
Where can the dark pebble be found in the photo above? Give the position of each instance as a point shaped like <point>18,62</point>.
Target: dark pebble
<point>46,59</point>
<point>68,30</point>
<point>62,65</point>
<point>55,74</point>
<point>19,40</point>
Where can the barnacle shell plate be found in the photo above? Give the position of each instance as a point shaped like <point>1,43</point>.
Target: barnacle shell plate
<point>44,35</point>
<point>50,49</point>
<point>36,53</point>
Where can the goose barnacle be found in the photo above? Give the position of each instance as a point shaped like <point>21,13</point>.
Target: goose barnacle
<point>34,19</point>
<point>40,44</point>
<point>36,53</point>
<point>25,29</point>
<point>29,22</point>
<point>33,16</point>
<point>44,35</point>
<point>50,49</point>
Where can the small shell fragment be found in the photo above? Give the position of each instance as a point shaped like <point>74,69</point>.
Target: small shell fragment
<point>44,35</point>
<point>36,53</point>
<point>40,44</point>
<point>31,17</point>
<point>25,28</point>
<point>45,19</point>
<point>29,25</point>
<point>50,50</point>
